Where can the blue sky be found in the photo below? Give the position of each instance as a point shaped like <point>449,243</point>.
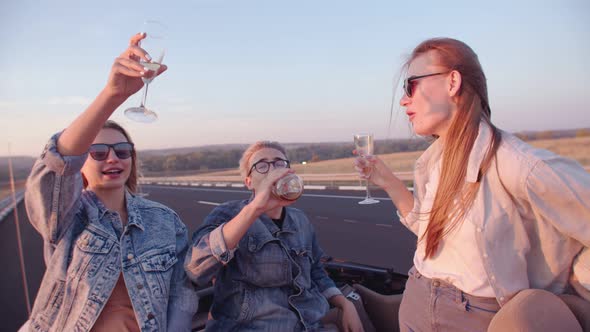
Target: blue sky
<point>293,71</point>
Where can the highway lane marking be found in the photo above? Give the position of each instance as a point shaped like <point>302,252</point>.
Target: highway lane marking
<point>351,221</point>
<point>384,225</point>
<point>351,197</point>
<point>203,189</point>
<point>208,203</point>
<point>248,192</point>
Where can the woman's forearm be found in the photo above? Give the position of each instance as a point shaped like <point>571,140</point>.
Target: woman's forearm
<point>77,137</point>
<point>402,198</point>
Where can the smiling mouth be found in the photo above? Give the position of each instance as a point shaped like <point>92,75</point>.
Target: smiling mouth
<point>112,172</point>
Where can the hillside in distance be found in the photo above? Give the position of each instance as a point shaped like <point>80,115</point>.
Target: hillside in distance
<point>220,157</point>
<point>21,167</point>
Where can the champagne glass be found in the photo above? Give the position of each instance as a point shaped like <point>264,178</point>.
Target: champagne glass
<point>363,144</point>
<point>153,44</point>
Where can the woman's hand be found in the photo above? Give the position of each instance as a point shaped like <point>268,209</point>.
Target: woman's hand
<point>126,72</point>
<point>372,168</point>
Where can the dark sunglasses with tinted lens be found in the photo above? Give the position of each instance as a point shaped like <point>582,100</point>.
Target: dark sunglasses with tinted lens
<point>100,152</point>
<point>410,82</point>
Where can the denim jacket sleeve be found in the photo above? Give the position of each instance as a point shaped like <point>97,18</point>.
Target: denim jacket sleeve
<point>318,274</point>
<point>183,302</point>
<point>53,192</point>
<point>209,251</point>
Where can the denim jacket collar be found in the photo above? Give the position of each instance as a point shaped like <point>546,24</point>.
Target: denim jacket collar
<point>133,215</point>
<point>288,225</point>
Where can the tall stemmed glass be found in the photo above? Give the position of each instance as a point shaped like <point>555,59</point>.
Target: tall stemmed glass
<point>154,44</point>
<point>363,144</point>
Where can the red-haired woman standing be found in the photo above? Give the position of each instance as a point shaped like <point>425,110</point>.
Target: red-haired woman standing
<point>494,216</point>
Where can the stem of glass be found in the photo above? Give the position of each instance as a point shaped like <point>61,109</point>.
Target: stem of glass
<point>144,95</point>
<point>368,192</point>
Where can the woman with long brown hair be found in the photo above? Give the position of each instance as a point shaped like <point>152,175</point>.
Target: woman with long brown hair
<point>493,215</point>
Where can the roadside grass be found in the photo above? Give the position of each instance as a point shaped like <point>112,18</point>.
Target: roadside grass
<point>340,171</point>
<point>577,148</point>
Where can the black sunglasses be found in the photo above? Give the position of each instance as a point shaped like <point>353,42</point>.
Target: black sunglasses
<point>263,166</point>
<point>100,152</point>
<point>410,82</point>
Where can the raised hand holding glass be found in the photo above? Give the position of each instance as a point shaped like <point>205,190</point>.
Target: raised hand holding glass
<point>154,45</point>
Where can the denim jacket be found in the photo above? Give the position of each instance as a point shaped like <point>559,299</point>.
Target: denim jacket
<point>86,249</point>
<point>272,281</point>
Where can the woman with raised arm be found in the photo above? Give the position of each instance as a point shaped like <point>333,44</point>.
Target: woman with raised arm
<point>265,258</point>
<point>499,223</point>
<point>114,259</point>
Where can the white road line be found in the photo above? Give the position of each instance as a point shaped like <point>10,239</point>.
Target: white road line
<point>351,221</point>
<point>208,189</point>
<point>384,225</point>
<point>352,188</point>
<point>315,187</point>
<point>350,197</point>
<point>248,192</point>
<point>208,203</point>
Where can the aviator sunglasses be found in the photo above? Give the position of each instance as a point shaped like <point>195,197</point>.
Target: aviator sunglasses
<point>100,152</point>
<point>410,82</point>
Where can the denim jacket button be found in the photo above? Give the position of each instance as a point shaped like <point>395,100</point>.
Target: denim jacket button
<point>139,286</point>
<point>130,256</point>
<point>151,316</point>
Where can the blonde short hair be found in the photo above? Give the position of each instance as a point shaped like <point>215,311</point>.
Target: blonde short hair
<point>252,149</point>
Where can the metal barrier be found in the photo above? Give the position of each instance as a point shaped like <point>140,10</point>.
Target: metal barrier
<point>7,204</point>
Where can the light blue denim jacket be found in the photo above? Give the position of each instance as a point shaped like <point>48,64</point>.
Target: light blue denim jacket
<point>272,281</point>
<point>86,249</point>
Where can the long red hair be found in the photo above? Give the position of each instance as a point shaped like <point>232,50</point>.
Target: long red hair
<point>473,107</point>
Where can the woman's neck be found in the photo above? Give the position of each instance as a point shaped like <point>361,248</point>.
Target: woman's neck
<point>114,200</point>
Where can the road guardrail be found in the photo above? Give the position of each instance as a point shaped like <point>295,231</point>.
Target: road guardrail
<point>7,204</point>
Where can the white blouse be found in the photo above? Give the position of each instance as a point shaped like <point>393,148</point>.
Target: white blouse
<point>457,260</point>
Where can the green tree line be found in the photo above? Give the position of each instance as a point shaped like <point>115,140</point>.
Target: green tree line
<point>229,158</point>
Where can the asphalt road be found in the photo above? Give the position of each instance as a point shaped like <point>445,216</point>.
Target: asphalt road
<point>368,234</point>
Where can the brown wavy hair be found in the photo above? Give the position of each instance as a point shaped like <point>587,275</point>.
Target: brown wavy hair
<point>473,107</point>
<point>131,182</point>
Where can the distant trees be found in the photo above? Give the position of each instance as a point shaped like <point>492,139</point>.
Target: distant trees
<point>229,158</point>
